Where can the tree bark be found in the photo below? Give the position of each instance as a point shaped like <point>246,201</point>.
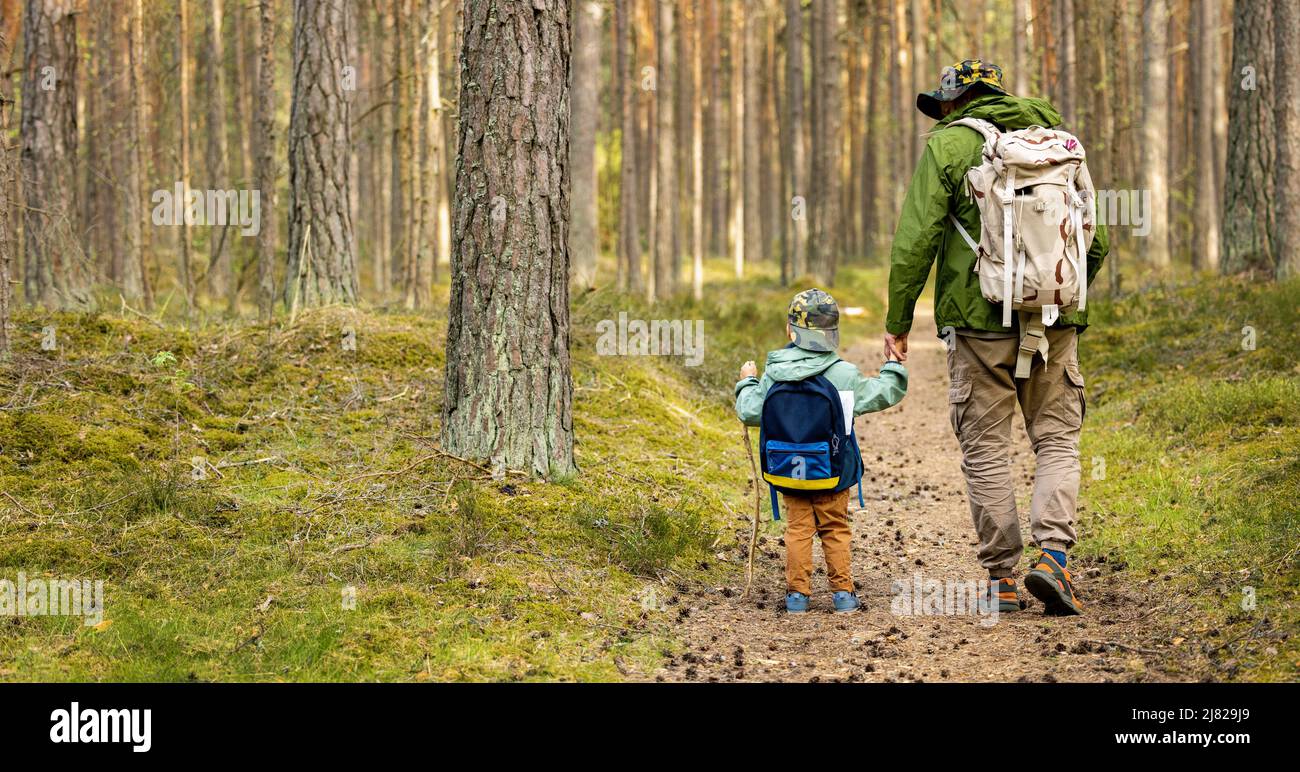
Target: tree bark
<point>1155,128</point>
<point>321,257</point>
<point>183,151</point>
<point>264,120</point>
<point>828,236</point>
<point>1286,128</point>
<point>666,212</point>
<point>629,231</point>
<point>697,156</point>
<point>220,278</point>
<point>796,207</point>
<point>582,150</point>
<point>1205,251</point>
<point>57,275</point>
<point>1248,171</point>
<point>133,282</point>
<point>751,186</point>
<point>7,168</point>
<point>508,395</point>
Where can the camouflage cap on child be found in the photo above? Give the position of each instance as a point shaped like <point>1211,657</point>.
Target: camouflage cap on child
<point>815,319</point>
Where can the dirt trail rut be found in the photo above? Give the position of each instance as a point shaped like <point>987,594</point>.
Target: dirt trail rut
<point>916,523</point>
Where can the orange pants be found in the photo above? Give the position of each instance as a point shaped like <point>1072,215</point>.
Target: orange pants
<point>827,516</point>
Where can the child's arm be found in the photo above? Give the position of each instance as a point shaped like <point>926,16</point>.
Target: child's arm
<point>749,395</point>
<point>884,391</point>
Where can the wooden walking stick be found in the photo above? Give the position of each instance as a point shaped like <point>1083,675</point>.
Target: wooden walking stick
<point>753,532</point>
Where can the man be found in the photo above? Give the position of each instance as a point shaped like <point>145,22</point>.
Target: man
<point>982,354</point>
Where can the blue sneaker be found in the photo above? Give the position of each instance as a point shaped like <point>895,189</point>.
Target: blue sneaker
<point>845,602</point>
<point>796,602</point>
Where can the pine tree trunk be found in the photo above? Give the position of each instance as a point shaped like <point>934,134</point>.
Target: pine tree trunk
<point>629,230</point>
<point>798,159</point>
<point>264,120</point>
<point>736,55</point>
<point>508,395</point>
<point>398,209</point>
<point>1205,252</point>
<point>582,159</point>
<point>1155,127</point>
<point>871,225</point>
<point>697,157</point>
<point>219,276</point>
<point>665,199</point>
<point>828,236</point>
<point>750,166</point>
<point>8,166</point>
<point>57,275</point>
<point>1248,172</point>
<point>1286,128</point>
<point>321,257</point>
<point>131,278</point>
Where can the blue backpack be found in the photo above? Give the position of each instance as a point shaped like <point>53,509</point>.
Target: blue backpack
<point>802,442</point>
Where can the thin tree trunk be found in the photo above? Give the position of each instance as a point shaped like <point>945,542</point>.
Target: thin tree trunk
<point>183,152</point>
<point>509,391</point>
<point>697,157</point>
<point>798,161</point>
<point>1155,127</point>
<point>7,167</point>
<point>751,169</point>
<point>131,281</point>
<point>1205,253</point>
<point>666,210</point>
<point>738,108</point>
<point>219,275</point>
<point>1286,128</point>
<point>264,120</point>
<point>582,159</point>
<point>629,235</point>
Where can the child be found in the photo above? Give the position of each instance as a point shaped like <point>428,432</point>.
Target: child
<point>813,328</point>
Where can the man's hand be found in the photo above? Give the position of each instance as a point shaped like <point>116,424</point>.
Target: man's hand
<point>749,370</point>
<point>896,347</point>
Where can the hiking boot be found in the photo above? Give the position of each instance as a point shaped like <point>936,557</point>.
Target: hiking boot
<point>1003,593</point>
<point>796,602</point>
<point>1051,583</point>
<point>845,602</point>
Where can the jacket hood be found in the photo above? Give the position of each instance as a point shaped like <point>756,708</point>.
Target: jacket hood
<point>794,364</point>
<point>1008,112</point>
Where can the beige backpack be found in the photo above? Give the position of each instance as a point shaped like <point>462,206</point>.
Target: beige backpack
<point>1037,211</point>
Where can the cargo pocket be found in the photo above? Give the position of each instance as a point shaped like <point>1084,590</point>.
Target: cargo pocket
<point>1076,379</point>
<point>958,399</point>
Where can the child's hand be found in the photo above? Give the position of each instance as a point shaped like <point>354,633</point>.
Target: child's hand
<point>749,370</point>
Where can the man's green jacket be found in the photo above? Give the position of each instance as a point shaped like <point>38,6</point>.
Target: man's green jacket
<point>924,231</point>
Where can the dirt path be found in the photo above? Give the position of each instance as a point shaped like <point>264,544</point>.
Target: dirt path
<point>916,523</point>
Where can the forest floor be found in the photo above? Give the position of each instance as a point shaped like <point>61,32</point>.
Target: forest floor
<point>269,502</point>
<point>915,528</point>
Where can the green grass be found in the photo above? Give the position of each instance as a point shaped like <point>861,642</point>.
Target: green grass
<point>1192,463</point>
<point>317,475</point>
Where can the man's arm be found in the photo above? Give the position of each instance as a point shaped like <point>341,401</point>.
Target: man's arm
<point>916,240</point>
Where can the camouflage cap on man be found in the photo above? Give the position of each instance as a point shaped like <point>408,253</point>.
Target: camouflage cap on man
<point>815,319</point>
<point>956,80</point>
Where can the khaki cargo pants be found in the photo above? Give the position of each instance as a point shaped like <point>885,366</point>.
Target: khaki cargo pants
<point>983,395</point>
<point>825,515</point>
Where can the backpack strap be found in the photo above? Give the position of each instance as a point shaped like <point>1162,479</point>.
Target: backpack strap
<point>1008,275</point>
<point>1033,340</point>
<point>776,507</point>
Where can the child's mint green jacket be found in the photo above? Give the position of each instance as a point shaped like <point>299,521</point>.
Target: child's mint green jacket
<point>794,364</point>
